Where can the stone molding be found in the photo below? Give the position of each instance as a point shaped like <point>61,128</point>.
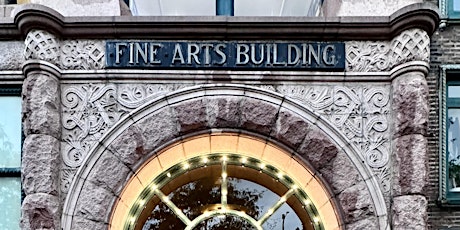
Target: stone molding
<point>170,107</point>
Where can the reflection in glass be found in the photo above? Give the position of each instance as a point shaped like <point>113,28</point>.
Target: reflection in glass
<point>453,144</point>
<point>10,132</point>
<point>10,203</point>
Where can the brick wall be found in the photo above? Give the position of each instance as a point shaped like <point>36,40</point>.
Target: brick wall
<point>445,49</point>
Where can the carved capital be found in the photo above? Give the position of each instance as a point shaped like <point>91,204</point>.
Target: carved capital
<point>41,45</point>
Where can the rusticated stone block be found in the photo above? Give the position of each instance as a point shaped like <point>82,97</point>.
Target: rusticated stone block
<point>340,173</point>
<point>410,165</point>
<point>356,203</point>
<point>290,128</point>
<point>40,164</point>
<point>80,223</point>
<point>95,203</point>
<point>257,115</point>
<point>317,148</point>
<point>156,130</point>
<point>129,146</point>
<point>364,224</point>
<point>191,115</point>
<point>410,104</point>
<point>40,211</point>
<point>41,105</point>
<point>223,112</point>
<point>409,212</point>
<point>109,172</point>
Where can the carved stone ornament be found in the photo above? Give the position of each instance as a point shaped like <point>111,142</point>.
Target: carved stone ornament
<point>66,54</point>
<point>359,112</point>
<point>379,56</point>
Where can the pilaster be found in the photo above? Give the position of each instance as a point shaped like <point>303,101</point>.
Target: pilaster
<point>41,117</point>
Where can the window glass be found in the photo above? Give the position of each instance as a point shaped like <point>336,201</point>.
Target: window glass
<point>173,7</point>
<point>273,7</point>
<point>456,5</point>
<point>453,144</point>
<point>10,202</point>
<point>10,132</point>
<point>10,159</point>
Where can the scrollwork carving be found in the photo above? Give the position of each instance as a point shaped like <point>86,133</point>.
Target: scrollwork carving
<point>82,54</point>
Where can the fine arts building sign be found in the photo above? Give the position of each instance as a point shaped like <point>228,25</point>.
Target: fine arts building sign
<point>226,55</point>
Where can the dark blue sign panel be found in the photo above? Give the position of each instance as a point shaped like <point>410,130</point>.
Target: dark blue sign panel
<point>225,55</point>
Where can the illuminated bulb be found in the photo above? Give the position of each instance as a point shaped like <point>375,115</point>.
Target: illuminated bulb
<point>244,160</point>
<point>224,158</point>
<point>224,192</point>
<point>205,160</point>
<point>316,219</point>
<point>224,175</point>
<point>295,187</point>
<point>283,199</point>
<point>166,199</point>
<point>307,202</point>
<point>186,166</point>
<point>154,187</point>
<point>270,211</point>
<point>168,174</point>
<point>280,174</point>
<point>142,202</point>
<point>262,165</point>
<point>133,219</point>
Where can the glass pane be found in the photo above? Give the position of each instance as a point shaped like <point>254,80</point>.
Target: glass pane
<point>456,5</point>
<point>453,91</point>
<point>453,145</point>
<point>173,7</point>
<point>225,222</point>
<point>283,218</point>
<point>10,202</point>
<point>10,131</point>
<point>274,7</point>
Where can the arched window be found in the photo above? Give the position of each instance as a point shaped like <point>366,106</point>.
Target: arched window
<point>226,7</point>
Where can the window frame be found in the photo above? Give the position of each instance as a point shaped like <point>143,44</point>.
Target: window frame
<point>447,12</point>
<point>446,197</point>
<point>13,172</point>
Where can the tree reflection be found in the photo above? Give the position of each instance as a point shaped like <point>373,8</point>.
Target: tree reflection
<point>197,197</point>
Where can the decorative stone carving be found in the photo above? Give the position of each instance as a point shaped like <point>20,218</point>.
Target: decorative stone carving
<point>90,110</point>
<point>375,56</point>
<point>41,45</point>
<point>410,45</point>
<point>67,54</point>
<point>82,54</point>
<point>368,56</point>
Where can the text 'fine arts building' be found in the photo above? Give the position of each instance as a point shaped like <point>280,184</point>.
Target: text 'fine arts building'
<point>229,114</point>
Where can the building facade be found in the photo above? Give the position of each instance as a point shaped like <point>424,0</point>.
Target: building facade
<point>332,121</point>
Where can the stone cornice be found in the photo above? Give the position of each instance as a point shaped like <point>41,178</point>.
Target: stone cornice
<point>28,17</point>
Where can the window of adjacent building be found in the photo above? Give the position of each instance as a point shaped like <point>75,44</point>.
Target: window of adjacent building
<point>225,7</point>
<point>10,158</point>
<point>450,8</point>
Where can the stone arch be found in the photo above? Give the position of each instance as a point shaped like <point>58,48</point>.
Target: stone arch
<point>213,108</point>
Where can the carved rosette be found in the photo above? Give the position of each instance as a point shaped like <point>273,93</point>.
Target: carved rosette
<point>67,54</point>
<point>380,56</point>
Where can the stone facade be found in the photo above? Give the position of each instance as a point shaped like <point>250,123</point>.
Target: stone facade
<point>89,128</point>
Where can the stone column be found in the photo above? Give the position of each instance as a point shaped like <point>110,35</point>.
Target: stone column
<point>410,54</point>
<point>42,128</point>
